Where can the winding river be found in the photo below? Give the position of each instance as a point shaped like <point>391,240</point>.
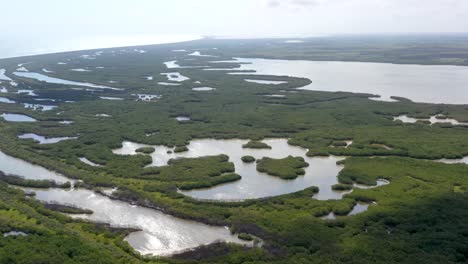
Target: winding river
<point>160,234</point>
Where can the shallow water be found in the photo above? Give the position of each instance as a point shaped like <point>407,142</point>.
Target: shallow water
<point>42,139</point>
<point>357,209</point>
<point>183,118</point>
<point>463,160</point>
<point>3,76</point>
<point>80,70</point>
<point>88,162</point>
<point>321,172</point>
<point>17,118</point>
<point>383,99</point>
<point>40,107</point>
<point>203,89</point>
<point>45,78</point>
<point>420,83</point>
<point>198,54</point>
<point>15,166</point>
<point>265,81</point>
<point>6,100</point>
<point>380,182</point>
<point>161,234</point>
<point>433,120</point>
<point>294,41</point>
<point>66,122</point>
<point>103,115</point>
<point>168,84</point>
<point>171,64</point>
<point>27,92</point>
<point>175,77</point>
<point>14,233</point>
<point>148,97</point>
<point>275,95</point>
<point>111,98</point>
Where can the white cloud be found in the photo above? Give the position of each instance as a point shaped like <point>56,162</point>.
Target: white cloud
<point>242,18</point>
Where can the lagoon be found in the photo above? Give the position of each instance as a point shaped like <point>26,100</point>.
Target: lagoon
<point>322,171</point>
<point>45,78</point>
<point>420,83</point>
<point>17,118</point>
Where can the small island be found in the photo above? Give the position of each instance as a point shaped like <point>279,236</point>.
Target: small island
<point>179,149</point>
<point>255,144</point>
<point>288,168</point>
<point>145,150</point>
<point>342,187</point>
<point>22,182</point>
<point>248,159</point>
<point>67,209</point>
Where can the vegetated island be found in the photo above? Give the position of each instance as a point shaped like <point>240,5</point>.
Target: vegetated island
<point>145,150</point>
<point>256,145</point>
<point>248,159</point>
<point>287,168</point>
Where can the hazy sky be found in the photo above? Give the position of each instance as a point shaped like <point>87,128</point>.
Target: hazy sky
<point>39,25</point>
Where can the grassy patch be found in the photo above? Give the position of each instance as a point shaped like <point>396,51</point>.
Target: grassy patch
<point>287,168</point>
<point>145,150</point>
<point>67,209</point>
<point>342,187</point>
<point>179,149</point>
<point>248,159</point>
<point>256,145</point>
<point>20,181</point>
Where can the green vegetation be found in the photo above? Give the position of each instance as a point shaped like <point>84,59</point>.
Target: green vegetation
<point>288,168</point>
<point>342,187</point>
<point>226,178</point>
<point>449,49</point>
<point>248,159</point>
<point>339,144</point>
<point>20,181</point>
<point>145,150</point>
<point>419,217</point>
<point>256,145</point>
<point>53,237</point>
<point>179,149</point>
<point>67,209</point>
<point>245,237</point>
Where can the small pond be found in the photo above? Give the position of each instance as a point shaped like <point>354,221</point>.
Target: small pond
<point>44,140</point>
<point>175,77</point>
<point>17,118</point>
<point>203,89</point>
<point>432,119</point>
<point>6,100</point>
<point>3,76</point>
